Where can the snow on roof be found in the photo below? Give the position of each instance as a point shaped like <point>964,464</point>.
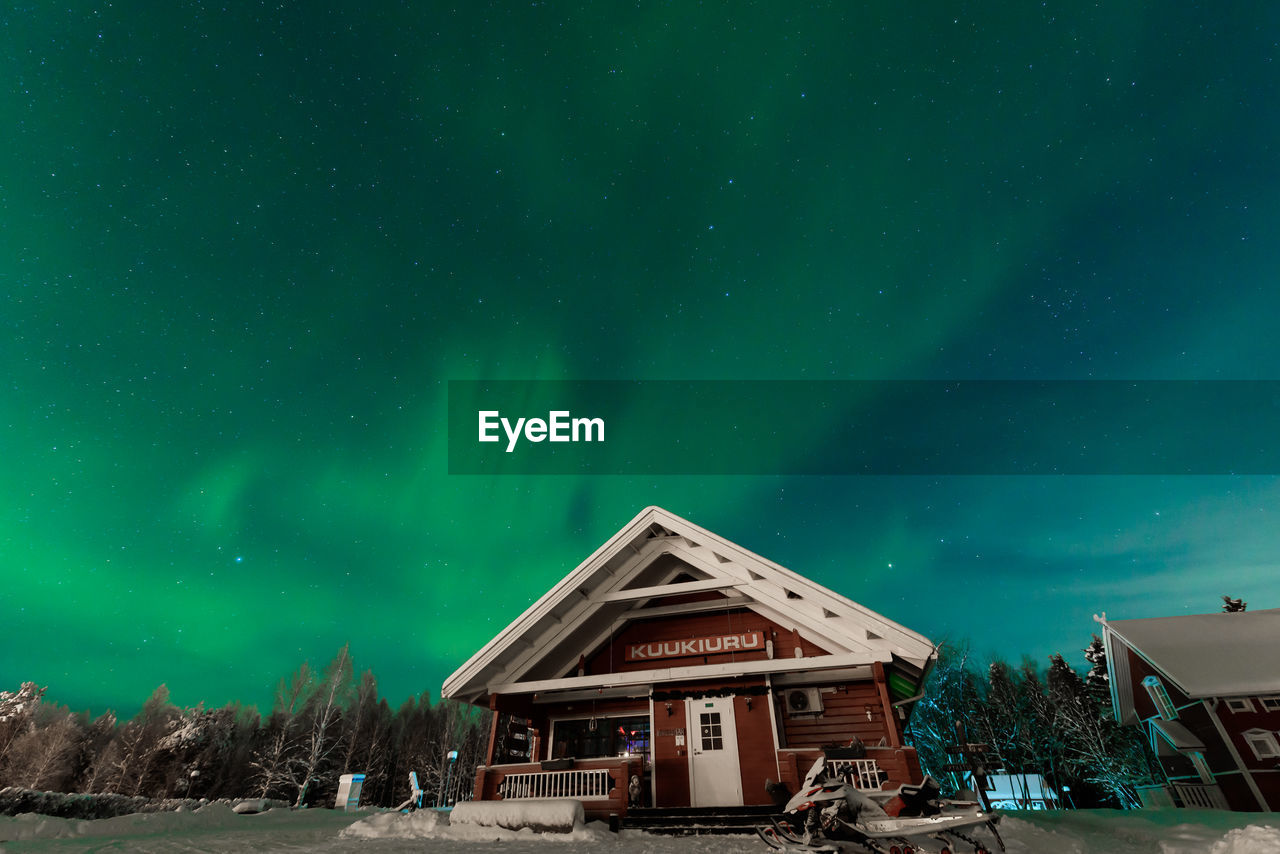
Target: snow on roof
<point>1177,735</point>
<point>660,554</point>
<point>1210,655</point>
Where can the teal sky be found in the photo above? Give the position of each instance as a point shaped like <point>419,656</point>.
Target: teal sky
<point>243,250</point>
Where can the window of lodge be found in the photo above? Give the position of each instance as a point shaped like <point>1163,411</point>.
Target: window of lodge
<point>590,737</point>
<point>1159,696</point>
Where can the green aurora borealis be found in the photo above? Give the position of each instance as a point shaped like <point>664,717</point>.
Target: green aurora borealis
<point>244,250</point>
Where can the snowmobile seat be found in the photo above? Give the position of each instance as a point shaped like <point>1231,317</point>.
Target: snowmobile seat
<point>915,800</point>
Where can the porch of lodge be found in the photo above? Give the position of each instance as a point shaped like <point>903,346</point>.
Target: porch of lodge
<point>603,784</point>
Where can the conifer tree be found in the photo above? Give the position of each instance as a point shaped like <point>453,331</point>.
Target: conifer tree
<point>1098,680</point>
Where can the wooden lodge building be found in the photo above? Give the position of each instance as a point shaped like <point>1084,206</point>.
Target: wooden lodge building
<point>673,668</point>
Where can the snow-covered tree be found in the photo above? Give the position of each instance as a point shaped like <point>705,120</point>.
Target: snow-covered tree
<point>17,709</point>
<point>1094,748</point>
<point>951,694</point>
<point>219,764</point>
<point>1098,679</point>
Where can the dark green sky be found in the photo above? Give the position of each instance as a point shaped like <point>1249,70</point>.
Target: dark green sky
<point>242,251</point>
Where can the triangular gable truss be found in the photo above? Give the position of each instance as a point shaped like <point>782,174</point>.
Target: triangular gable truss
<point>638,567</point>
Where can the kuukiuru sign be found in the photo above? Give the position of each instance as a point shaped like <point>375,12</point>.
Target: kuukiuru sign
<point>695,646</point>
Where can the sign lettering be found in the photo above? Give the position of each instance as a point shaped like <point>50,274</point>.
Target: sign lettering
<point>742,642</point>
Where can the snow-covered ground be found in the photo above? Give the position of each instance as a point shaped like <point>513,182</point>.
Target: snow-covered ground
<point>216,829</point>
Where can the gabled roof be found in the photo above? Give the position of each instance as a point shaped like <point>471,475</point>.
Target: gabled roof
<point>655,555</point>
<point>1209,655</point>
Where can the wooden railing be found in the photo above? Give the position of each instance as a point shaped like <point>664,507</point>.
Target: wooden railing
<point>1205,797</point>
<point>862,773</point>
<point>585,784</point>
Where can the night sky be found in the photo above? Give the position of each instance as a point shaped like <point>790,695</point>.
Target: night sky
<point>244,249</point>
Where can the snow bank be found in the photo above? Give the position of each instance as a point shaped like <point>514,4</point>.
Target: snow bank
<point>1148,831</point>
<point>16,801</point>
<point>421,824</point>
<point>32,826</point>
<point>434,824</point>
<point>1254,839</point>
<point>216,829</point>
<point>211,828</point>
<point>557,815</point>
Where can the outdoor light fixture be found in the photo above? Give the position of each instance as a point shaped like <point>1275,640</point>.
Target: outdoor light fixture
<point>668,710</point>
<point>748,704</point>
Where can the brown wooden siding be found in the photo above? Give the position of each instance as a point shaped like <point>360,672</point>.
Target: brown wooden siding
<point>757,761</point>
<point>843,718</point>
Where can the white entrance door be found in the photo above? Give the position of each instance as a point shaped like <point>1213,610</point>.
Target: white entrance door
<point>715,780</point>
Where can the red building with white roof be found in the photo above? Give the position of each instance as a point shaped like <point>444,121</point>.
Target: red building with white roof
<point>1206,689</point>
<point>674,668</point>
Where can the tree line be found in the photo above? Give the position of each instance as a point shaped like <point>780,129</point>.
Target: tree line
<point>1053,723</point>
<point>322,724</point>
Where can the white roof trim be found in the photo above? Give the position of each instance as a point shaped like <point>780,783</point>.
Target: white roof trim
<point>831,621</point>
<point>682,674</point>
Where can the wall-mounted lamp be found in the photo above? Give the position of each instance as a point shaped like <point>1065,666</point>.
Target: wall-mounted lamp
<point>668,710</point>
<point>870,712</point>
<point>748,704</point>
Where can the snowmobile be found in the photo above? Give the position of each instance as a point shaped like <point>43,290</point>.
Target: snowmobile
<point>830,814</point>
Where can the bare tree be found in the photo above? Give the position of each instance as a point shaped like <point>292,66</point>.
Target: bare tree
<point>42,758</point>
<point>277,758</point>
<point>1094,748</point>
<point>130,759</point>
<point>322,713</point>
<point>92,766</point>
<point>367,735</point>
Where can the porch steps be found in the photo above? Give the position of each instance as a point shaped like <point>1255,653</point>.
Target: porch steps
<point>693,821</point>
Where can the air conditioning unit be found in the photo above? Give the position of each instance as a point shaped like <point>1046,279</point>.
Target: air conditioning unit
<point>803,701</point>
